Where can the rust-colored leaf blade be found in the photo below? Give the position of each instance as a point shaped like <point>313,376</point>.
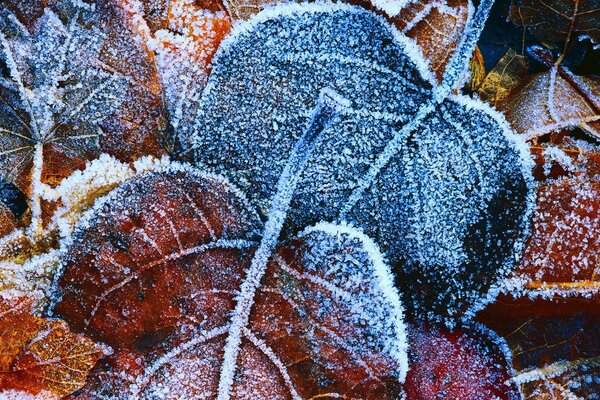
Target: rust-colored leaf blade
<point>41,356</point>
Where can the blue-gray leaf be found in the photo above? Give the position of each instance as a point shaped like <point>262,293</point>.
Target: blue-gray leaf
<point>443,186</point>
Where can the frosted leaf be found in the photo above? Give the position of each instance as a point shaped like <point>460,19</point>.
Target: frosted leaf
<point>36,273</point>
<point>562,381</point>
<point>78,191</point>
<point>183,35</point>
<point>561,257</point>
<point>442,188</point>
<point>504,78</point>
<point>244,9</point>
<point>391,7</point>
<point>552,101</point>
<point>436,26</point>
<point>40,356</point>
<point>158,265</point>
<point>466,364</point>
<point>74,86</point>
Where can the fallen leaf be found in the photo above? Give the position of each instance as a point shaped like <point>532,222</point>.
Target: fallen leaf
<point>560,258</point>
<point>562,381</point>
<point>437,203</point>
<point>556,22</point>
<point>552,101</point>
<point>477,71</point>
<point>184,36</point>
<point>457,364</point>
<point>160,265</point>
<point>75,86</point>
<point>502,80</point>
<point>553,344</point>
<point>437,27</point>
<point>244,9</point>
<point>41,356</point>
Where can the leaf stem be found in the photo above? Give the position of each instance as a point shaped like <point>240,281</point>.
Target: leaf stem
<point>328,107</point>
<point>36,227</point>
<point>459,63</point>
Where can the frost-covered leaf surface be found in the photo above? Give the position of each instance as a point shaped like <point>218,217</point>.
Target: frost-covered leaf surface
<point>159,266</point>
<point>441,188</point>
<point>554,100</point>
<point>436,26</point>
<point>40,357</point>
<point>457,364</point>
<point>184,35</point>
<point>75,83</point>
<point>564,245</point>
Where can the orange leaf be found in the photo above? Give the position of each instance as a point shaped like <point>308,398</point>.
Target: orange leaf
<point>160,264</point>
<point>436,26</point>
<point>41,356</point>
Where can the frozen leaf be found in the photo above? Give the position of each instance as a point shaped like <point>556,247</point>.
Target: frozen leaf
<point>457,365</point>
<point>183,35</point>
<point>40,356</point>
<point>562,381</point>
<point>556,22</point>
<point>162,265</point>
<point>441,187</point>
<point>560,258</point>
<point>437,27</point>
<point>74,86</point>
<point>554,345</point>
<point>554,100</point>
<point>112,377</point>
<point>134,266</point>
<point>28,11</point>
<point>504,78</point>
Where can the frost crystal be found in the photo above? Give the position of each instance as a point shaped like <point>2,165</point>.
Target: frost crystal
<point>323,301</point>
<point>443,187</point>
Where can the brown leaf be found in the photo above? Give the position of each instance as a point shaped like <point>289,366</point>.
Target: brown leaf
<point>506,76</point>
<point>554,345</point>
<point>40,355</point>
<point>436,26</point>
<point>555,22</point>
<point>244,9</point>
<point>560,258</point>
<point>563,250</point>
<point>157,268</point>
<point>554,100</point>
<point>562,381</point>
<point>184,36</point>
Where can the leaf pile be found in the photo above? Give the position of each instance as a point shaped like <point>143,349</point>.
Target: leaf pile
<point>259,199</point>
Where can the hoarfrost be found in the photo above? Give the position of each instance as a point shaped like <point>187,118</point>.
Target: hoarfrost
<point>442,187</point>
<point>329,289</point>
